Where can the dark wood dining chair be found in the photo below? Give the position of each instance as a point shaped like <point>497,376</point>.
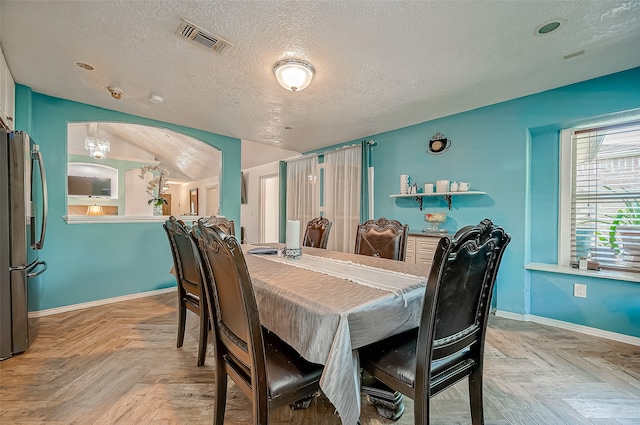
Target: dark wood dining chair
<point>188,272</point>
<point>382,238</point>
<point>267,370</point>
<point>227,226</point>
<point>448,346</point>
<point>317,233</point>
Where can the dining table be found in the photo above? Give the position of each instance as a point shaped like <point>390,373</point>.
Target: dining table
<point>327,304</point>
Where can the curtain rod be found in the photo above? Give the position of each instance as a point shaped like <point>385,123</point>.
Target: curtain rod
<point>300,158</point>
<point>370,143</point>
<point>355,145</point>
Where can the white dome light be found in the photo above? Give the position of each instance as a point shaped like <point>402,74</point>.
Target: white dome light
<point>293,74</point>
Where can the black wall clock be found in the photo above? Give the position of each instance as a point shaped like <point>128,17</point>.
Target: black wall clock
<point>438,144</point>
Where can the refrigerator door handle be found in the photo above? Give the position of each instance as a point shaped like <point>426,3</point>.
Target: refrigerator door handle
<point>31,272</point>
<point>36,155</point>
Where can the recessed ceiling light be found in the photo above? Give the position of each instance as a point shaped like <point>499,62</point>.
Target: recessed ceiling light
<point>548,27</point>
<point>277,141</point>
<point>84,66</point>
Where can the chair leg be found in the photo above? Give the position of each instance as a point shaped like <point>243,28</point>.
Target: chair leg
<point>260,406</point>
<point>182,317</point>
<point>421,409</point>
<point>388,402</point>
<point>220,392</point>
<point>303,403</point>
<point>202,340</point>
<point>475,397</point>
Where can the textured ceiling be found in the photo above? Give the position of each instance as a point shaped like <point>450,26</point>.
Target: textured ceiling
<point>380,65</point>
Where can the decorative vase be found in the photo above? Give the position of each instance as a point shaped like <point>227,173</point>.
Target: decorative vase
<point>157,210</point>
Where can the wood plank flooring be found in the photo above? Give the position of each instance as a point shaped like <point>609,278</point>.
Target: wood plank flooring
<point>117,364</point>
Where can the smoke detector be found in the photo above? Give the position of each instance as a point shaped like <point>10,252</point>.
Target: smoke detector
<point>116,92</point>
<point>154,98</point>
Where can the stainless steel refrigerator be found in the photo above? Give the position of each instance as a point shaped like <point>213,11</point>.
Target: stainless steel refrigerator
<point>23,221</point>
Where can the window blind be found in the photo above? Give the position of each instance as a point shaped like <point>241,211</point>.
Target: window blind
<point>605,196</point>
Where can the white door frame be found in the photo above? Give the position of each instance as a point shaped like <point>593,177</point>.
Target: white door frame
<point>206,205</point>
<point>263,204</point>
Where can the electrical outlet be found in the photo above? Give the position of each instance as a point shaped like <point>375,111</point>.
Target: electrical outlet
<point>579,290</point>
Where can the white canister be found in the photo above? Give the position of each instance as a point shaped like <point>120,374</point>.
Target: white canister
<point>428,188</point>
<point>404,183</point>
<point>454,187</point>
<point>442,186</point>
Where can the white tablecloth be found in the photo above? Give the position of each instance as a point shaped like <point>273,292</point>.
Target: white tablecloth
<point>326,318</point>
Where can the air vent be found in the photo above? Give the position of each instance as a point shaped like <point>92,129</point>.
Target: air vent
<point>206,39</point>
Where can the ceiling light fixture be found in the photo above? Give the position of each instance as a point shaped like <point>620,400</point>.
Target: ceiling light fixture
<point>293,74</point>
<point>97,146</point>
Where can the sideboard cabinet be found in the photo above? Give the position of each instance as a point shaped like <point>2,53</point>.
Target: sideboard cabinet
<point>421,248</point>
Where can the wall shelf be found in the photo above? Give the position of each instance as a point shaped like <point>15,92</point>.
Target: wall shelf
<point>447,196</point>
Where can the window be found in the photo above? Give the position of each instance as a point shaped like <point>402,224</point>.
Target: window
<point>604,201</point>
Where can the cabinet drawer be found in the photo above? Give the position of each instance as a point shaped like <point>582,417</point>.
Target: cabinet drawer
<point>426,244</point>
<point>426,258</point>
<point>410,254</point>
<point>423,249</point>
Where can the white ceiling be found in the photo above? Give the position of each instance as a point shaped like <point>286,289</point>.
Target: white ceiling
<point>380,65</point>
<point>186,158</point>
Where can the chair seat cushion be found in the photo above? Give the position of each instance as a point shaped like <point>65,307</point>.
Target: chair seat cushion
<point>396,357</point>
<point>287,371</point>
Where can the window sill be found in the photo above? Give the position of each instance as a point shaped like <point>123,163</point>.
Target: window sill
<point>85,219</point>
<point>598,274</point>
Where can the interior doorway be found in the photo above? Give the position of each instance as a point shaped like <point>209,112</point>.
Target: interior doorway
<point>269,209</point>
<point>213,200</point>
<point>166,208</point>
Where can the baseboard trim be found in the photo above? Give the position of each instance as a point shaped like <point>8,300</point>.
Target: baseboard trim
<point>627,339</point>
<point>81,306</point>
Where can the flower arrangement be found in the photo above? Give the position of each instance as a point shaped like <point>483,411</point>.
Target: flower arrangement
<point>158,181</point>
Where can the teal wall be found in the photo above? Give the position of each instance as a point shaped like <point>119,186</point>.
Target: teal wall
<point>510,151</point>
<point>88,262</point>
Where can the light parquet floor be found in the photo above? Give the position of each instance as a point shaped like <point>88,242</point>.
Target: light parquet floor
<point>117,364</point>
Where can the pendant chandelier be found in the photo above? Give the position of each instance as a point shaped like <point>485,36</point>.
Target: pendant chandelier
<point>97,146</point>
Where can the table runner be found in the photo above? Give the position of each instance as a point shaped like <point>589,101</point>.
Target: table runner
<point>391,281</point>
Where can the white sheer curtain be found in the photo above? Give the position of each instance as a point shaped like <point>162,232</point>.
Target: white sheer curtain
<point>343,175</point>
<point>303,195</point>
